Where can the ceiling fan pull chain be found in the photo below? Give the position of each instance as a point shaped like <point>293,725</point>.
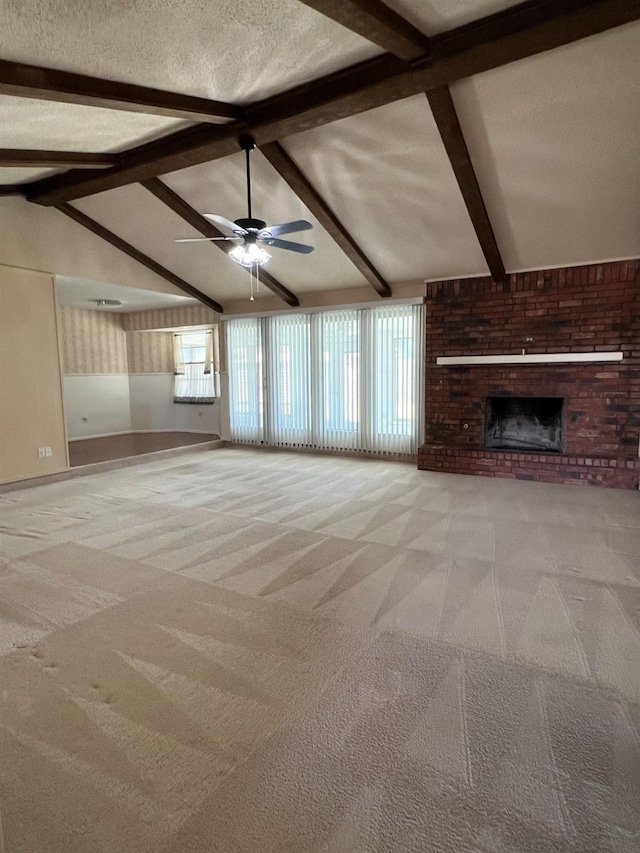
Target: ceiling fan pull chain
<point>251,275</point>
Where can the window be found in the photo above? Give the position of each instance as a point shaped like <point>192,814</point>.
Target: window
<point>341,380</point>
<point>245,392</point>
<point>196,367</point>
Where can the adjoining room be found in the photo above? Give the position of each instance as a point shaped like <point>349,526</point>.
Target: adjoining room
<point>141,371</point>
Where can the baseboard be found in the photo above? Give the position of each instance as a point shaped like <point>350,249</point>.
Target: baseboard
<point>109,465</point>
<point>190,431</point>
<point>326,451</point>
<point>139,432</point>
<point>101,435</point>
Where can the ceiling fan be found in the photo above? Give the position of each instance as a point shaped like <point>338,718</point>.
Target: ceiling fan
<point>249,234</point>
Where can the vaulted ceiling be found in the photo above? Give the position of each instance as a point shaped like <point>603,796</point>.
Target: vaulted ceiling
<point>423,140</point>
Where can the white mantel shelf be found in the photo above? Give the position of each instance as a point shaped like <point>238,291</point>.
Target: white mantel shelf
<point>529,358</point>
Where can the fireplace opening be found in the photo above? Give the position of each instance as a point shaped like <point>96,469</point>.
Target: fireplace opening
<point>524,423</point>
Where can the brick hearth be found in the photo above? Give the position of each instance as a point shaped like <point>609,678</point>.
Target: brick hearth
<point>579,309</point>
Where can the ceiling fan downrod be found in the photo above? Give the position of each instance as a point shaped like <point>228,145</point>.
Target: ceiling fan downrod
<point>247,144</point>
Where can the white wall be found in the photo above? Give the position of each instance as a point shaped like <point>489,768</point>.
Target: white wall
<point>97,404</point>
<point>223,412</point>
<point>152,407</point>
<point>151,396</point>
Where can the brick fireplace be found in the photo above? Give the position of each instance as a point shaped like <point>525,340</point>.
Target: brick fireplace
<point>501,420</point>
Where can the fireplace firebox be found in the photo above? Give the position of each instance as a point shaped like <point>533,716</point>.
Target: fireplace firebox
<point>524,423</point>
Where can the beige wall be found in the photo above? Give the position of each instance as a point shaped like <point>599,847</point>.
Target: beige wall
<point>42,238</point>
<point>149,352</point>
<point>31,410</point>
<point>92,342</point>
<point>169,318</point>
<point>95,342</point>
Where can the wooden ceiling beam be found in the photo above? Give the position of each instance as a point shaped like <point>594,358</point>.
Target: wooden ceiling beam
<point>100,231</point>
<point>49,84</point>
<point>12,189</point>
<point>525,30</point>
<point>27,159</point>
<point>178,205</point>
<point>177,151</point>
<point>299,183</point>
<point>446,118</point>
<point>531,27</point>
<point>377,23</point>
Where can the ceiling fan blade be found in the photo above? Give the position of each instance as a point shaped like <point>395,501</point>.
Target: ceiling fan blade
<point>206,239</point>
<point>291,247</point>
<point>222,220</point>
<point>287,227</point>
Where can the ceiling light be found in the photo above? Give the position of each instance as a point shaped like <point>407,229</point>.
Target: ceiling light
<point>249,255</point>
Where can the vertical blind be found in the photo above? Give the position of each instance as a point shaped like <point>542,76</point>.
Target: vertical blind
<point>335,380</point>
<point>244,358</point>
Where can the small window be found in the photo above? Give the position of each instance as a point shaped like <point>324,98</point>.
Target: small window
<point>196,367</point>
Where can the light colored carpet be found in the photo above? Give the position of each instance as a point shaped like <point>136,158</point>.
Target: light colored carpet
<point>249,652</point>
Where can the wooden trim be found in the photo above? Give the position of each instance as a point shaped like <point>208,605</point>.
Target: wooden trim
<point>375,22</point>
<point>23,158</point>
<point>492,42</point>
<point>299,183</point>
<point>530,358</point>
<point>49,84</point>
<point>13,189</point>
<point>176,203</point>
<point>446,118</point>
<point>100,231</point>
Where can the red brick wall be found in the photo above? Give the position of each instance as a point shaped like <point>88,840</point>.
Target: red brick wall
<point>577,309</point>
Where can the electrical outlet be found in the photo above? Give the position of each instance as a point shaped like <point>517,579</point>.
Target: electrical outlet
<point>42,452</point>
<point>48,452</point>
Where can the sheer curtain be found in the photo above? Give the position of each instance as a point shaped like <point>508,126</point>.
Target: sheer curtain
<point>335,380</point>
<point>196,375</point>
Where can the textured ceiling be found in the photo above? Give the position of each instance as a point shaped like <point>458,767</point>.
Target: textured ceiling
<point>554,140</point>
<point>387,176</point>
<point>78,293</point>
<point>69,127</point>
<point>227,50</point>
<point>435,16</point>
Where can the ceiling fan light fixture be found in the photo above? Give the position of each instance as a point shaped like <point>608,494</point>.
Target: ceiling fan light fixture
<point>249,255</point>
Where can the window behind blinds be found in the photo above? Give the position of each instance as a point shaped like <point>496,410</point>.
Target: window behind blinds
<point>338,380</point>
